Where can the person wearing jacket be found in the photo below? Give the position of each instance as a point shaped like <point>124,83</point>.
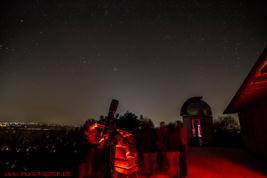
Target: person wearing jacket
<point>183,149</point>
<point>172,143</point>
<point>147,137</point>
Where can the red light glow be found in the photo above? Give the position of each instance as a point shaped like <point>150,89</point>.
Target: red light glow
<point>221,163</point>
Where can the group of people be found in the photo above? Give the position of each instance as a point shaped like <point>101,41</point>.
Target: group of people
<point>163,148</point>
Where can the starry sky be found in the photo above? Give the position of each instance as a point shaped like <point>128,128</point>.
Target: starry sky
<point>63,61</point>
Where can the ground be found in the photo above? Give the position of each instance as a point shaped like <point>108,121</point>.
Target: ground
<point>211,162</point>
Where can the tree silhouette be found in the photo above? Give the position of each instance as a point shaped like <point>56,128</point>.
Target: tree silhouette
<point>226,124</point>
<point>129,122</point>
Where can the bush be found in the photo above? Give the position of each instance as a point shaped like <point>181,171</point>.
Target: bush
<point>226,124</point>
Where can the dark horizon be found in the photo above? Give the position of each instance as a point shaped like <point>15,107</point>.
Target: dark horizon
<point>63,61</point>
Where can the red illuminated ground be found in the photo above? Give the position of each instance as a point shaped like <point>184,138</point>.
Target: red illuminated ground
<point>221,163</point>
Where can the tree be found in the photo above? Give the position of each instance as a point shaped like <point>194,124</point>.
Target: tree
<point>226,124</point>
<point>129,122</point>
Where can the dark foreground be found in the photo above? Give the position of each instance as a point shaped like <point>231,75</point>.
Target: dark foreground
<point>215,162</point>
<point>204,162</point>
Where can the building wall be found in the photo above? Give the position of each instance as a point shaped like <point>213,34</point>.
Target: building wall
<point>253,123</point>
<point>207,130</point>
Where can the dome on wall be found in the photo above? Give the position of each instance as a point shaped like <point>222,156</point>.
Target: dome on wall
<point>195,106</point>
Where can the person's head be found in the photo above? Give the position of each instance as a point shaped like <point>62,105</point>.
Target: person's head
<point>171,127</point>
<point>179,124</point>
<point>146,125</point>
<point>162,124</point>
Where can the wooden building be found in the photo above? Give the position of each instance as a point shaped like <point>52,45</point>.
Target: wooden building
<point>250,102</point>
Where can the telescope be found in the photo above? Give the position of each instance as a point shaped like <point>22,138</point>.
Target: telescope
<point>111,116</point>
<point>113,108</point>
<point>119,144</point>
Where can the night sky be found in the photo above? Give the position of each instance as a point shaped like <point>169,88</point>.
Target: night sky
<point>63,61</point>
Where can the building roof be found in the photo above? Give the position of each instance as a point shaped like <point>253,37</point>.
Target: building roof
<point>195,106</point>
<point>253,88</point>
